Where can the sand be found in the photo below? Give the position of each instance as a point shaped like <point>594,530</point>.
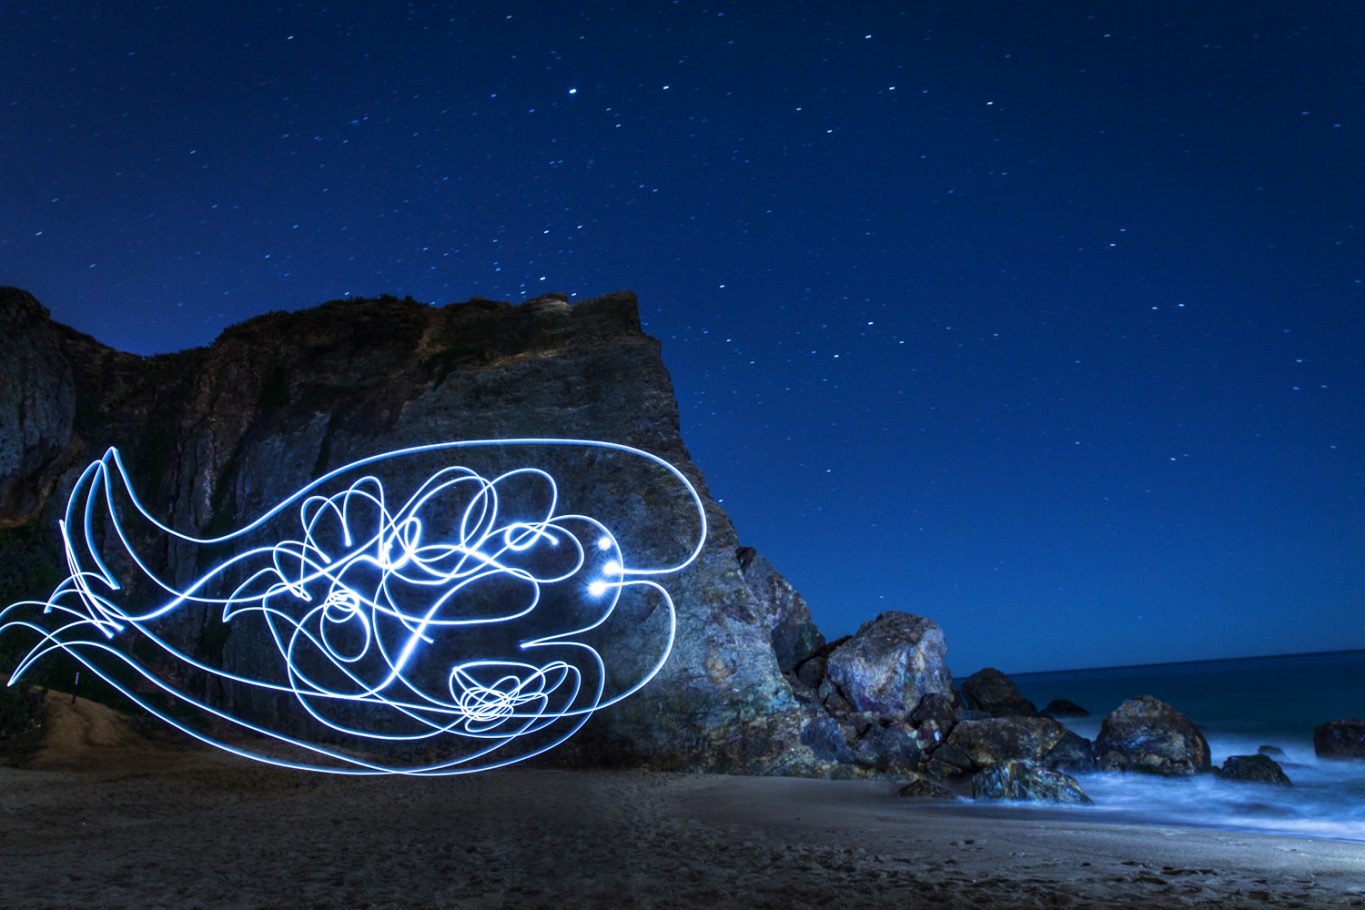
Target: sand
<point>103,817</point>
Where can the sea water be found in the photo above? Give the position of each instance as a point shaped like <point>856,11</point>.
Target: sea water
<point>1239,705</point>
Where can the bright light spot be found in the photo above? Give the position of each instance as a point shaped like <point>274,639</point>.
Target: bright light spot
<point>597,588</point>
<point>604,543</point>
<point>612,568</point>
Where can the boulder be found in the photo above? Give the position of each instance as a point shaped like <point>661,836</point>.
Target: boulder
<point>809,674</point>
<point>998,739</point>
<point>890,664</point>
<point>1025,780</point>
<point>1073,754</point>
<point>1340,739</point>
<point>1060,707</point>
<point>1254,769</point>
<point>832,700</point>
<point>824,737</point>
<point>887,746</point>
<point>948,762</point>
<point>1272,751</point>
<point>995,693</point>
<point>1148,735</point>
<point>933,718</point>
<point>919,787</point>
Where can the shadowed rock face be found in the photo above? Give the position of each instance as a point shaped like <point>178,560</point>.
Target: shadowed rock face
<point>993,692</point>
<point>795,637</point>
<point>1060,707</point>
<point>1148,735</point>
<point>1253,769</point>
<point>1073,754</point>
<point>1340,739</point>
<point>996,739</point>
<point>214,436</point>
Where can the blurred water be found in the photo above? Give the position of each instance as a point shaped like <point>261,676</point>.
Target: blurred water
<point>1239,705</point>
<point>1270,696</point>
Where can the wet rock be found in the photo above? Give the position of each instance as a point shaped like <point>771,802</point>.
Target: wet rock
<point>1073,754</point>
<point>1025,780</point>
<point>1253,768</point>
<point>1272,751</point>
<point>998,739</point>
<point>919,787</point>
<point>1340,739</point>
<point>1148,735</point>
<point>891,663</point>
<point>995,693</point>
<point>1060,707</point>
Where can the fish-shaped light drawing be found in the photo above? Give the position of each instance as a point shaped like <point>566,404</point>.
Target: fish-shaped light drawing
<point>457,624</point>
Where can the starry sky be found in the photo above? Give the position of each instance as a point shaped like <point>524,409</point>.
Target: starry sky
<point>1046,321</point>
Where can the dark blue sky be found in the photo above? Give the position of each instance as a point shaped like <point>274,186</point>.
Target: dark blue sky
<point>1045,321</point>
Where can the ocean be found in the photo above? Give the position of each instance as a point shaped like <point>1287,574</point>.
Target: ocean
<point>1239,705</point>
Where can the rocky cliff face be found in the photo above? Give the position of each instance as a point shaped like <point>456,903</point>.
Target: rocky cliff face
<point>216,435</point>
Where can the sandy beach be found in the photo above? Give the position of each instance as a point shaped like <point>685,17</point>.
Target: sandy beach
<point>104,818</point>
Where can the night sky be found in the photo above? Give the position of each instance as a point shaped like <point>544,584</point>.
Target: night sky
<point>1046,321</point>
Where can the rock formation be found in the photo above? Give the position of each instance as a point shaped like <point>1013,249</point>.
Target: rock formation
<point>994,693</point>
<point>889,665</point>
<point>1061,707</point>
<point>1073,754</point>
<point>1026,780</point>
<point>1148,735</point>
<point>1253,769</point>
<point>1340,739</point>
<point>216,435</point>
<point>997,739</point>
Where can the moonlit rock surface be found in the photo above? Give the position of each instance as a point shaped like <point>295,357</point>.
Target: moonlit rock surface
<point>1148,735</point>
<point>1024,780</point>
<point>890,664</point>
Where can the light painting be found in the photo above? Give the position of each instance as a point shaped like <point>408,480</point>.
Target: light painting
<point>448,627</point>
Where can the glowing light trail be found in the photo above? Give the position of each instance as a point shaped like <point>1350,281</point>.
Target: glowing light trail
<point>376,611</point>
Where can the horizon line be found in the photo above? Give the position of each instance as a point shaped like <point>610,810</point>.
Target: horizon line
<point>1205,660</point>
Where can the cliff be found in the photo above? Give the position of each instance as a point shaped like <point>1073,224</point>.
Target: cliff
<point>216,435</point>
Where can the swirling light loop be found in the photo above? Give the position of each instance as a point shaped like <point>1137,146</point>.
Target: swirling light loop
<point>365,606</point>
